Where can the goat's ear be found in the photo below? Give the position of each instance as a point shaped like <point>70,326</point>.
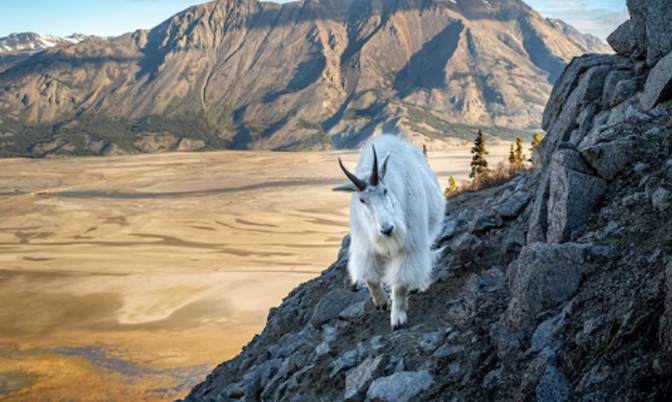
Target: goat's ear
<point>383,165</point>
<point>348,188</point>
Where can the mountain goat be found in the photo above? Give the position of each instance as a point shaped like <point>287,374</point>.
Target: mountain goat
<point>396,211</point>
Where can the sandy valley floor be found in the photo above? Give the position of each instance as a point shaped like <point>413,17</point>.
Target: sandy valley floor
<point>130,278</point>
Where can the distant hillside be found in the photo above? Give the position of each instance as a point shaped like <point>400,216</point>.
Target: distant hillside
<point>585,41</point>
<point>243,74</point>
<point>19,46</point>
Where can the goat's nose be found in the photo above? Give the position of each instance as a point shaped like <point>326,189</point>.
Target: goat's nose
<point>387,231</point>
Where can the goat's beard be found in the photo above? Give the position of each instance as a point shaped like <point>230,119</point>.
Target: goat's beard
<point>389,246</point>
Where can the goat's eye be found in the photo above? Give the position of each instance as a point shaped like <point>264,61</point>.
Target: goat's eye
<point>385,191</point>
<point>362,201</point>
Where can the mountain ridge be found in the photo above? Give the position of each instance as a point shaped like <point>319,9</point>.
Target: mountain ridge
<point>303,75</point>
<point>35,42</point>
<point>17,47</point>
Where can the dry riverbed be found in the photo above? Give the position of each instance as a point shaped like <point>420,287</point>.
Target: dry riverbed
<point>131,277</point>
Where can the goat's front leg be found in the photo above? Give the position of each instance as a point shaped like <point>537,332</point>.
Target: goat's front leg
<point>378,295</point>
<point>399,317</point>
<point>412,271</point>
<point>368,267</point>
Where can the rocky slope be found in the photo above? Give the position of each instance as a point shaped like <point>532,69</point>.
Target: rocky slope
<point>18,47</point>
<point>554,287</point>
<point>246,74</point>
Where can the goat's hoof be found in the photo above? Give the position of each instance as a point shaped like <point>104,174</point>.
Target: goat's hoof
<point>400,326</point>
<point>383,307</point>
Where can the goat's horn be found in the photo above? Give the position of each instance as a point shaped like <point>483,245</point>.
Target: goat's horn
<point>374,173</point>
<point>361,184</point>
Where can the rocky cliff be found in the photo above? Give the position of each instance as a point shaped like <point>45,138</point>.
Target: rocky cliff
<point>245,74</point>
<point>554,287</point>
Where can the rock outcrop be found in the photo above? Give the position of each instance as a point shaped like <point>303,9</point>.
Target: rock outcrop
<point>556,286</point>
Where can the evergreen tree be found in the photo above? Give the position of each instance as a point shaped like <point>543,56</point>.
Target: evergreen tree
<point>512,156</point>
<point>536,139</point>
<point>452,187</point>
<point>479,165</point>
<point>520,156</point>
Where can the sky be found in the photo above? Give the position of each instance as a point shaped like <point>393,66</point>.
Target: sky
<point>114,17</point>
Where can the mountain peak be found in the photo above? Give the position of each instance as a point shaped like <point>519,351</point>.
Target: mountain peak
<point>591,42</point>
<point>32,42</point>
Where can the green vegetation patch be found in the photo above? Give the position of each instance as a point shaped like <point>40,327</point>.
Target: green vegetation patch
<point>75,137</point>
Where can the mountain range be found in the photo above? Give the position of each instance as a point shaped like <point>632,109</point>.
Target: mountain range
<point>244,74</point>
<point>19,46</point>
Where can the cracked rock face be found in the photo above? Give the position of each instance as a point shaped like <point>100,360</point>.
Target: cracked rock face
<point>544,276</point>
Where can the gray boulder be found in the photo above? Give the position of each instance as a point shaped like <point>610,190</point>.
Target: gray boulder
<point>584,122</point>
<point>569,158</point>
<point>378,345</point>
<point>357,380</point>
<point>621,39</point>
<point>661,199</point>
<point>651,28</point>
<point>539,217</point>
<point>569,79</point>
<point>532,375</point>
<point>599,133</point>
<point>492,379</point>
<point>553,386</point>
<point>544,335</point>
<point>333,303</point>
<point>400,387</point>
<point>506,341</point>
<point>354,311</point>
<point>572,197</point>
<point>609,159</point>
<point>610,83</point>
<point>465,216</point>
<point>465,242</point>
<point>514,205</point>
<point>658,87</point>
<point>597,374</point>
<point>485,221</point>
<point>625,111</point>
<point>449,230</point>
<point>345,361</point>
<point>625,89</point>
<point>544,276</point>
<point>449,352</point>
<point>430,342</point>
<point>252,382</point>
<point>565,198</point>
<point>638,11</point>
<point>588,89</point>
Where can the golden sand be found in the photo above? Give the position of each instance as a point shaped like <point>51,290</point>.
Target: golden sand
<point>113,298</point>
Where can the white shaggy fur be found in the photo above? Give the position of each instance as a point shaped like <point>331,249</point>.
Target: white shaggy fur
<point>408,198</point>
